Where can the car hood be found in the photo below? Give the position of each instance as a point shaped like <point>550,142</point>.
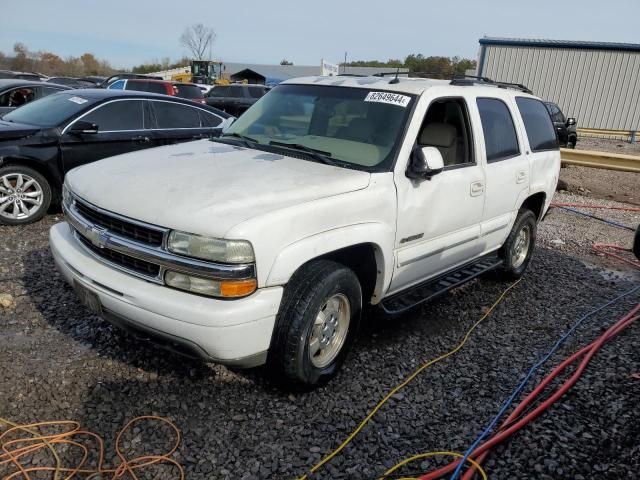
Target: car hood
<point>207,187</point>
<point>12,131</point>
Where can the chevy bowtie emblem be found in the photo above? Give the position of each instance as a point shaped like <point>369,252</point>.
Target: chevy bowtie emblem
<point>98,236</point>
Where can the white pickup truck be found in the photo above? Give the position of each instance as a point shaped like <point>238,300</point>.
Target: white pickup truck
<point>329,195</point>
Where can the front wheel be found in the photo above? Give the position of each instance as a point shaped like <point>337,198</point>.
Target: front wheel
<point>316,324</point>
<point>25,195</point>
<point>517,249</point>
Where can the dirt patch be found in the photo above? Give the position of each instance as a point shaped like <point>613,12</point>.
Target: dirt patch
<point>608,145</point>
<point>604,184</point>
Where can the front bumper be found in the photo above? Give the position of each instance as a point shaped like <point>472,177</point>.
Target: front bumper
<point>231,332</point>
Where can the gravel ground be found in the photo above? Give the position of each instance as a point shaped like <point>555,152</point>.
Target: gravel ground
<point>574,234</point>
<point>604,184</point>
<point>608,145</point>
<point>58,361</point>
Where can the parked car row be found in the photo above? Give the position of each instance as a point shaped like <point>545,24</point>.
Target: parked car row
<point>41,141</point>
<point>236,98</point>
<point>178,89</point>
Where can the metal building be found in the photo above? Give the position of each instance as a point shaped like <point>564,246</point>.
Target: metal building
<point>596,82</point>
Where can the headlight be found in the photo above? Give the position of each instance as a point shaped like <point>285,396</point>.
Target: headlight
<point>210,287</point>
<point>207,248</point>
<point>66,195</point>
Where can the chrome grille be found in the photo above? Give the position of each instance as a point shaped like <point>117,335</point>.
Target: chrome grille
<point>130,263</point>
<point>120,226</point>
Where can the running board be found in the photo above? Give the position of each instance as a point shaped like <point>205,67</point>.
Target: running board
<point>423,292</point>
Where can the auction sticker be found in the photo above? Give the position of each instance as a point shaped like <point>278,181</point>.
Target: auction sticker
<point>388,97</point>
<point>78,100</point>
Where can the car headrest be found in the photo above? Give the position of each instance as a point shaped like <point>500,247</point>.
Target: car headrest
<point>438,135</point>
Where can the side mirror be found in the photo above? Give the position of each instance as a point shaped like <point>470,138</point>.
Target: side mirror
<point>425,163</point>
<point>571,121</point>
<point>83,128</point>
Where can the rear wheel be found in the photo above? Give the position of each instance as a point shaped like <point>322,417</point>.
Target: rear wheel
<point>518,248</point>
<point>25,195</point>
<point>316,324</point>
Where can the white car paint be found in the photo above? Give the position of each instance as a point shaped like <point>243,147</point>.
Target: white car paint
<point>293,211</point>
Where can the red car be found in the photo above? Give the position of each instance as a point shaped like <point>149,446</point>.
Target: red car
<point>190,91</point>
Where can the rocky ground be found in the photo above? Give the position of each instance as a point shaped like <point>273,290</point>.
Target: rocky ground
<point>602,184</point>
<point>58,361</point>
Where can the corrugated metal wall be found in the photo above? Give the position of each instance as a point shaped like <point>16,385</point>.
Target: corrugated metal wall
<point>600,88</point>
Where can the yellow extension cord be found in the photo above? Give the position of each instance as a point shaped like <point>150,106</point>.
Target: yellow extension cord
<point>399,387</point>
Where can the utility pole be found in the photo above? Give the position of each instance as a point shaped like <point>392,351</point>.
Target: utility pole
<point>344,65</point>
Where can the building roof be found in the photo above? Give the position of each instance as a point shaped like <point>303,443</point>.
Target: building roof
<point>280,73</point>
<point>546,43</point>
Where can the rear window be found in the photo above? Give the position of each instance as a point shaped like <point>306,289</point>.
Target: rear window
<point>537,122</point>
<point>144,86</point>
<point>188,91</point>
<point>219,92</point>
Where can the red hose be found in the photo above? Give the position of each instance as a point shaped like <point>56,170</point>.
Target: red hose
<point>510,426</point>
<point>605,247</point>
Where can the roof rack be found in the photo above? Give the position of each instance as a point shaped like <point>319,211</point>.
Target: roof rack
<point>462,80</point>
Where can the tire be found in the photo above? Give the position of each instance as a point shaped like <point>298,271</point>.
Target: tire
<point>20,206</point>
<point>636,243</point>
<point>571,143</point>
<point>514,254</point>
<point>301,354</point>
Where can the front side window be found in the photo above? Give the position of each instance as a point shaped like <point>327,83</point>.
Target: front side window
<point>357,127</point>
<point>117,116</point>
<point>446,127</point>
<point>537,123</point>
<point>500,139</point>
<point>209,120</point>
<point>175,115</point>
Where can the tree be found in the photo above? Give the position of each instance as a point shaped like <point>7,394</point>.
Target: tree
<point>284,61</point>
<point>197,39</point>
<point>20,60</point>
<point>51,64</point>
<point>90,63</point>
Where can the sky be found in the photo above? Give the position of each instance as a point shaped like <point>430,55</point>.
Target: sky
<point>127,32</point>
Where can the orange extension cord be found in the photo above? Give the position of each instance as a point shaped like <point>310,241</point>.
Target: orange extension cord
<point>17,450</point>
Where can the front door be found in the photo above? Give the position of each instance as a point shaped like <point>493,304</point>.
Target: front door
<point>121,129</point>
<point>438,224</point>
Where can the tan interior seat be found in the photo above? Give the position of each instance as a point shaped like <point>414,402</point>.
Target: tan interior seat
<point>443,137</point>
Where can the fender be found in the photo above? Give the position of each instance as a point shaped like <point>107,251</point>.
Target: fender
<point>297,254</point>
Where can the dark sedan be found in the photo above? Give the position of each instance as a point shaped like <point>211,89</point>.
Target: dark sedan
<point>15,93</point>
<point>43,140</point>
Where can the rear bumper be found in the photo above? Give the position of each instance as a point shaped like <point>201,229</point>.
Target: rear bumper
<point>231,332</point>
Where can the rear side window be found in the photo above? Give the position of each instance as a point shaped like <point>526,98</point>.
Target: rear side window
<point>209,120</point>
<point>188,91</point>
<point>500,139</point>
<point>537,122</point>
<point>236,92</point>
<point>176,115</point>
<point>117,116</point>
<point>256,92</point>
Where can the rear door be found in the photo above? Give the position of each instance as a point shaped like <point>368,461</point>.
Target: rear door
<point>178,122</point>
<point>507,167</point>
<point>121,129</point>
<point>542,145</point>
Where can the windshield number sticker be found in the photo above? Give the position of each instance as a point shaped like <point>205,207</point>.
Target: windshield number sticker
<point>387,97</point>
<point>78,100</point>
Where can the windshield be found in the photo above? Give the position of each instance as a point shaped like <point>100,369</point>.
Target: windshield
<point>354,126</point>
<point>50,111</point>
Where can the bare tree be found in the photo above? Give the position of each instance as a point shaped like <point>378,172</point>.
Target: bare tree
<point>197,39</point>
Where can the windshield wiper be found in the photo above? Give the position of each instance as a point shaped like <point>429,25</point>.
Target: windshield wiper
<point>318,155</point>
<point>248,141</point>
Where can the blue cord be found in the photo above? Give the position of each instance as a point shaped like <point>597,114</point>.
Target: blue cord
<point>610,222</point>
<point>524,382</point>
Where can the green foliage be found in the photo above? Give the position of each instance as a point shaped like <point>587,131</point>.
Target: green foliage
<point>445,66</point>
<point>284,61</point>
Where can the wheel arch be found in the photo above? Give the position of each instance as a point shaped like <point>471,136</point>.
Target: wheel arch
<point>536,203</point>
<point>358,248</point>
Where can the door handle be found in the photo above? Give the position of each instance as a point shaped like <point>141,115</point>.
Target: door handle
<point>521,176</point>
<point>141,139</point>
<point>477,188</point>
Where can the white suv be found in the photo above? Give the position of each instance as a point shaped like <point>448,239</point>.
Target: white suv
<point>329,195</point>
